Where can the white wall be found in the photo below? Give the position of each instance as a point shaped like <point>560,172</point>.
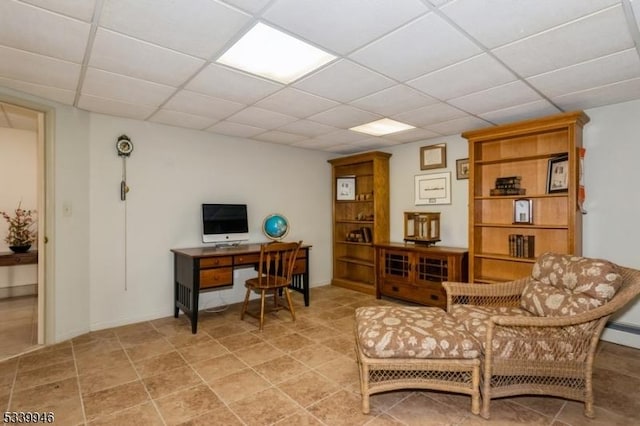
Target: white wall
<point>171,172</point>
<point>18,174</point>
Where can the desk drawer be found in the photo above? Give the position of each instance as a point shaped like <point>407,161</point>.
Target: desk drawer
<point>246,259</point>
<point>213,262</point>
<point>300,266</point>
<point>216,277</point>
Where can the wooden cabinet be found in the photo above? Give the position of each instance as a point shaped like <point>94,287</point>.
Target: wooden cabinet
<point>360,217</point>
<point>522,150</point>
<point>415,273</point>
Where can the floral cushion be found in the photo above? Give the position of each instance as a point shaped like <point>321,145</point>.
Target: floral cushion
<point>569,285</point>
<point>412,332</point>
<point>525,343</point>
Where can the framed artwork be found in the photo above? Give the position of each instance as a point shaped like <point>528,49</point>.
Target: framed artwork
<point>523,211</point>
<point>346,188</point>
<point>434,188</point>
<point>433,157</point>
<point>462,168</point>
<point>558,174</point>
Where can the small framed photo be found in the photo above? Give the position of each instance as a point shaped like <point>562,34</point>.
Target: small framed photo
<point>523,211</point>
<point>558,174</point>
<point>346,188</point>
<point>462,168</point>
<point>434,188</point>
<point>433,157</point>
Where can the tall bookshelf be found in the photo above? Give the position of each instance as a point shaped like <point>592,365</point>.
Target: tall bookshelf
<point>361,222</point>
<point>523,149</point>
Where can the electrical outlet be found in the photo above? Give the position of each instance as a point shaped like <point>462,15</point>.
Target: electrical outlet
<point>67,211</point>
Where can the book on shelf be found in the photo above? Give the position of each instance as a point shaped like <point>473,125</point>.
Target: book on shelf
<point>522,246</point>
<point>507,191</point>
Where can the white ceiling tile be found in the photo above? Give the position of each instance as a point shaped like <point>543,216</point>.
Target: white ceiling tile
<point>77,9</point>
<point>494,23</point>
<point>597,72</point>
<point>343,136</point>
<point>224,83</point>
<point>277,136</point>
<point>235,129</point>
<point>130,90</point>
<point>262,118</point>
<point>458,125</point>
<point>373,143</point>
<point>24,66</point>
<point>521,112</point>
<point>314,144</point>
<point>295,102</point>
<point>47,92</point>
<point>344,149</point>
<point>588,38</point>
<point>393,100</point>
<point>505,96</point>
<point>469,76</point>
<point>610,94</point>
<point>343,25</point>
<point>112,107</point>
<point>430,114</point>
<point>202,105</point>
<point>425,45</point>
<point>308,128</point>
<point>344,81</point>
<point>180,119</point>
<point>635,6</point>
<point>344,116</point>
<point>252,6</point>
<point>412,135</point>
<point>36,30</point>
<point>129,56</point>
<point>198,28</point>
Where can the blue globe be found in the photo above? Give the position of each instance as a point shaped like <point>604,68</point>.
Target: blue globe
<point>275,226</point>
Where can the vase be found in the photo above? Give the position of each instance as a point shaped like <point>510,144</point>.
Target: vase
<point>20,249</point>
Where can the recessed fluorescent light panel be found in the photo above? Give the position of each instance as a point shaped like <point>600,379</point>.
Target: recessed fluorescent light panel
<point>273,54</point>
<point>385,126</point>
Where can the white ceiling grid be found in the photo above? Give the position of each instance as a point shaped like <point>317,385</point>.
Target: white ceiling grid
<point>444,66</point>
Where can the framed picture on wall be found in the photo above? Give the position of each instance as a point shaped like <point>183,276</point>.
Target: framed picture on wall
<point>558,174</point>
<point>434,188</point>
<point>346,188</point>
<point>433,157</point>
<point>462,168</point>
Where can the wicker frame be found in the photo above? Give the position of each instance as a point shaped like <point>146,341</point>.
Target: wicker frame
<point>450,375</point>
<point>518,375</point>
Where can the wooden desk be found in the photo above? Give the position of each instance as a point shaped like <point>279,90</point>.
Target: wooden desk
<point>203,269</point>
<point>9,258</point>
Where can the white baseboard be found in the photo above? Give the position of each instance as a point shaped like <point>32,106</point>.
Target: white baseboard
<point>622,334</point>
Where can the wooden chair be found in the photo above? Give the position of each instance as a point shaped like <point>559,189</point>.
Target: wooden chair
<point>277,260</point>
<point>526,353</point>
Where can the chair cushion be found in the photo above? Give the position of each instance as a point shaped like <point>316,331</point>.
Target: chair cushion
<point>569,343</point>
<point>564,285</point>
<point>412,332</point>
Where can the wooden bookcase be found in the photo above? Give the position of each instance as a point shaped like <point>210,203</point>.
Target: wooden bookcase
<point>522,149</point>
<point>360,222</point>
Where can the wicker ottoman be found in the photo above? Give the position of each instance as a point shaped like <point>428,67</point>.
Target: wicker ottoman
<point>415,348</point>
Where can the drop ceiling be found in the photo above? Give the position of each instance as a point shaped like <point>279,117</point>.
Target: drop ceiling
<point>441,66</point>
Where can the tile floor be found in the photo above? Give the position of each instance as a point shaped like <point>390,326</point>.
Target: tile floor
<point>18,325</point>
<point>302,373</point>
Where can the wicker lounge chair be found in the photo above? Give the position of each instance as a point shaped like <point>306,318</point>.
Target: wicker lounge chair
<point>533,342</point>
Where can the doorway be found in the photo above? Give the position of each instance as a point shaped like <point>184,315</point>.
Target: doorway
<point>22,286</point>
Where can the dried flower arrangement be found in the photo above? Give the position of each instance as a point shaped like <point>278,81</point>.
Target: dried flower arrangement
<point>21,232</point>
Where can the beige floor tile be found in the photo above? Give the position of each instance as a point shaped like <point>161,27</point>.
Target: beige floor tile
<point>238,385</point>
<point>43,359</point>
<point>32,399</point>
<point>140,415</point>
<point>108,378</point>
<point>94,347</point>
<point>342,371</point>
<point>340,409</point>
<point>299,418</point>
<point>612,390</point>
<point>291,342</point>
<point>239,341</point>
<point>506,412</point>
<point>187,338</point>
<point>215,368</point>
<point>202,351</point>
<point>219,416</point>
<point>281,368</point>
<point>171,381</point>
<point>149,349</point>
<point>315,355</point>
<point>308,388</point>
<point>259,353</point>
<point>40,376</point>
<point>253,411</point>
<point>150,366</point>
<point>572,413</point>
<point>417,407</point>
<point>187,404</point>
<point>112,400</point>
<point>93,363</point>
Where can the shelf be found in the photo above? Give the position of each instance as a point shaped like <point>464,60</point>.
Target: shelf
<point>370,200</point>
<point>522,158</point>
<point>354,260</point>
<point>519,226</point>
<point>495,256</point>
<point>354,243</point>
<point>513,197</point>
<point>357,222</point>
